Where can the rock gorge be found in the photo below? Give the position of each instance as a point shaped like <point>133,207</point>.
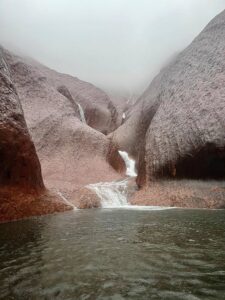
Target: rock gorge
<point>175,131</point>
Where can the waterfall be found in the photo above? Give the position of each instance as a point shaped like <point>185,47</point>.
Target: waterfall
<point>130,164</point>
<point>81,111</point>
<point>114,194</point>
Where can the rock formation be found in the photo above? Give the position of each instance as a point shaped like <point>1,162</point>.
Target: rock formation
<point>19,162</point>
<point>72,153</point>
<point>45,84</point>
<point>177,127</point>
<point>21,186</point>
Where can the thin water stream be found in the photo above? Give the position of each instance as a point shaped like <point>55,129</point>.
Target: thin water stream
<point>81,112</point>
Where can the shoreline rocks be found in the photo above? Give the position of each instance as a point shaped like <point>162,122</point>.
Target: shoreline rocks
<point>182,193</point>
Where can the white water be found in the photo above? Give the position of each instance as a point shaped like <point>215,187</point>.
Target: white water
<point>144,207</point>
<point>114,194</point>
<point>81,111</point>
<point>130,164</point>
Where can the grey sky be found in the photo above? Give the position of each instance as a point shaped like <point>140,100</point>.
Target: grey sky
<point>118,45</point>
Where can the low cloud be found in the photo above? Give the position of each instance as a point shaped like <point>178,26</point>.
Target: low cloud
<point>119,45</point>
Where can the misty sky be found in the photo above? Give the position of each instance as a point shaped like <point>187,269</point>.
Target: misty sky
<point>119,45</point>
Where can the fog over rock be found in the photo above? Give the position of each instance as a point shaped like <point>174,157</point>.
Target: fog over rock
<point>119,46</point>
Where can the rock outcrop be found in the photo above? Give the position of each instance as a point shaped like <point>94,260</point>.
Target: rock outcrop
<point>177,127</point>
<point>72,148</point>
<point>85,198</point>
<point>182,193</point>
<point>21,184</point>
<point>44,84</point>
<point>19,163</point>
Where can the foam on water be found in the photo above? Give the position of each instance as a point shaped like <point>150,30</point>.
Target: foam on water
<point>144,207</point>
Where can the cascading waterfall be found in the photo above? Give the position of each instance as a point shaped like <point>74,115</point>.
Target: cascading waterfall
<point>130,164</point>
<point>111,194</point>
<point>81,112</point>
<point>114,194</point>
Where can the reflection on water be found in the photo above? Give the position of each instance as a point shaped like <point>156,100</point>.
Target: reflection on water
<point>115,254</point>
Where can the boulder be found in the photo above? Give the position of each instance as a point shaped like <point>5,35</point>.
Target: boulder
<point>85,198</point>
<point>177,127</point>
<point>21,185</point>
<point>19,163</point>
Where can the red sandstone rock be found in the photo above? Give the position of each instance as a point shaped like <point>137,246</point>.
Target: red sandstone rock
<point>182,193</point>
<point>85,198</point>
<point>19,162</point>
<point>21,186</point>
<point>177,127</point>
<point>43,84</point>
<point>17,203</point>
<point>72,154</point>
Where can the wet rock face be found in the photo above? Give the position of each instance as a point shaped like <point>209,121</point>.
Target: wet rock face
<point>22,191</point>
<point>34,79</point>
<point>186,137</point>
<point>103,119</point>
<point>85,198</point>
<point>19,165</point>
<point>114,159</point>
<point>182,193</point>
<point>176,129</point>
<point>72,154</point>
<point>205,163</point>
<point>66,93</point>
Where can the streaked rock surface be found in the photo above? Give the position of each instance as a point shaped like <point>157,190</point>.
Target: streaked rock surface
<point>22,191</point>
<point>72,153</point>
<point>177,127</point>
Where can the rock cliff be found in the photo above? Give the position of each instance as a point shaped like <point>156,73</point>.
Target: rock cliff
<point>177,127</point>
<point>44,84</point>
<point>73,152</point>
<point>21,186</point>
